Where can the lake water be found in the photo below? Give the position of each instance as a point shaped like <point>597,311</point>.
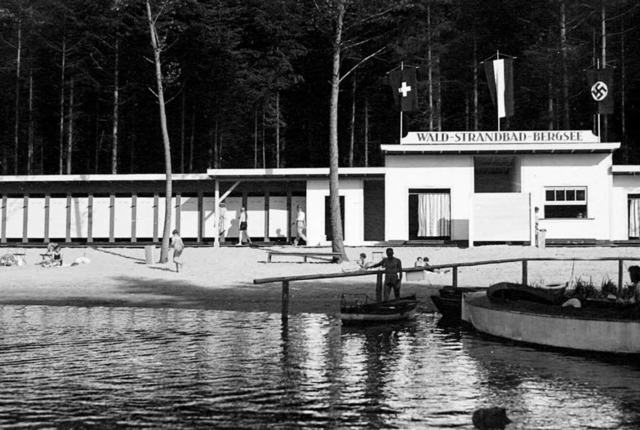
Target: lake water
<point>70,367</point>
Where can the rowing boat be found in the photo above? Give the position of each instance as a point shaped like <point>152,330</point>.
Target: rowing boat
<point>369,311</point>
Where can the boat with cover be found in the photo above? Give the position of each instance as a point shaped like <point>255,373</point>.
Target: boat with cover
<point>368,310</point>
<point>536,316</point>
<point>449,301</point>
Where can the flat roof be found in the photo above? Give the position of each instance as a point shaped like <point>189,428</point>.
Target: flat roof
<point>625,170</point>
<point>295,173</point>
<point>104,178</point>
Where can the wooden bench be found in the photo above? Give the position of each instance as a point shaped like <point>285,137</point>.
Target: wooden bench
<point>305,255</point>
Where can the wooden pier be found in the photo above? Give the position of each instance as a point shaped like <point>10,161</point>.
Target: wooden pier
<point>285,280</point>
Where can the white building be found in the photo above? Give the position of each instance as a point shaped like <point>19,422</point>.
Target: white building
<point>436,187</point>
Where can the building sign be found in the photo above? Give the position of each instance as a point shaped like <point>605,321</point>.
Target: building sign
<point>484,137</point>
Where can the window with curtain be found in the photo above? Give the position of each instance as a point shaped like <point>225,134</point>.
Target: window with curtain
<point>434,214</point>
<point>634,216</point>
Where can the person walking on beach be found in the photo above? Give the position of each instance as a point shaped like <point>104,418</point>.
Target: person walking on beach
<point>242,232</point>
<point>300,226</point>
<point>392,274</point>
<point>178,247</point>
<point>222,221</point>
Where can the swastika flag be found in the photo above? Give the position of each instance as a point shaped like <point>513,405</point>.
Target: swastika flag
<point>601,88</point>
<point>404,84</point>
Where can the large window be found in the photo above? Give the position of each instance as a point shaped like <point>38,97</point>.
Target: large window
<point>565,202</point>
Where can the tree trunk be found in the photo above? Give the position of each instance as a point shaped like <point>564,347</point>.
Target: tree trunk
<point>438,94</point>
<point>277,129</point>
<point>429,65</point>
<point>623,78</point>
<point>264,151</point>
<point>550,112</point>
<point>255,139</point>
<point>31,126</point>
<point>70,128</point>
<point>352,126</point>
<point>61,126</point>
<point>334,190</point>
<point>183,130</point>
<point>366,131</point>
<point>116,109</point>
<point>192,138</point>
<point>16,135</point>
<point>564,65</point>
<point>164,253</point>
<point>476,114</point>
<point>216,156</point>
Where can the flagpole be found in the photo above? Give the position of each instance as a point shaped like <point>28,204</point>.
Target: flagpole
<point>400,141</point>
<point>598,114</point>
<point>497,86</point>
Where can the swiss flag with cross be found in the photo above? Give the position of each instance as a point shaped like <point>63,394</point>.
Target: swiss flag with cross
<point>404,85</point>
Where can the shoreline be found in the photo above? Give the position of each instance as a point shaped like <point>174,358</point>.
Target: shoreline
<point>222,278</point>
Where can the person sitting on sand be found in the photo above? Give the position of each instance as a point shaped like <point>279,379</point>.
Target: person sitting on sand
<point>360,264</point>
<point>427,267</point>
<point>362,261</point>
<point>53,256</point>
<point>9,260</point>
<point>81,260</point>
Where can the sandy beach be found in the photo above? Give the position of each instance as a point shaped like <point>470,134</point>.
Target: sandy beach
<point>222,278</point>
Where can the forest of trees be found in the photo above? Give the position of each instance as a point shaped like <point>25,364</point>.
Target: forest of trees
<point>249,83</point>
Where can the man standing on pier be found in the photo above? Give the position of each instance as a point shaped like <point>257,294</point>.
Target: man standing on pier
<point>392,274</point>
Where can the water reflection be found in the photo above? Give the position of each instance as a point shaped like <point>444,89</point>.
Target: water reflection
<point>169,368</point>
<point>555,388</point>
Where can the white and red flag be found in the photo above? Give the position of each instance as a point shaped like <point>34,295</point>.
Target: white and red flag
<point>500,80</point>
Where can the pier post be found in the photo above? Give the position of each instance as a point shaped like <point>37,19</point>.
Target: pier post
<point>454,281</point>
<point>620,277</point>
<point>285,300</point>
<point>379,287</point>
<point>525,272</point>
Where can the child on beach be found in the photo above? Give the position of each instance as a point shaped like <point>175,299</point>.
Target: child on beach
<point>360,264</point>
<point>427,266</point>
<point>53,256</point>
<point>178,247</point>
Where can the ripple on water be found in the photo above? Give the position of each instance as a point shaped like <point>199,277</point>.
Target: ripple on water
<point>167,368</point>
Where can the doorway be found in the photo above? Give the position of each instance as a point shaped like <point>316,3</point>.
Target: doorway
<point>429,214</point>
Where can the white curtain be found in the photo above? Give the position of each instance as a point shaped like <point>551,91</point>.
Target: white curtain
<point>634,217</point>
<point>434,214</point>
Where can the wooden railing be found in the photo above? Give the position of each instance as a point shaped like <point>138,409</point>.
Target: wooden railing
<point>454,274</point>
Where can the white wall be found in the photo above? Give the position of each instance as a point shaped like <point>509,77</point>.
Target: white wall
<point>35,222</point>
<point>588,170</point>
<point>501,217</point>
<point>622,187</point>
<point>454,172</point>
<point>353,192</point>
<point>15,217</point>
